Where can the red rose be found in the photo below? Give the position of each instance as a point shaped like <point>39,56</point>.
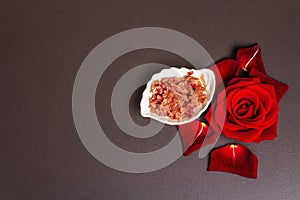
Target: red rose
<point>251,110</point>
<point>251,104</point>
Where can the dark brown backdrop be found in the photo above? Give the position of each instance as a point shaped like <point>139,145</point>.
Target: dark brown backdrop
<point>42,46</point>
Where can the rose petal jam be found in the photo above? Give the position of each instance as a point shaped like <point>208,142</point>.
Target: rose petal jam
<point>178,98</point>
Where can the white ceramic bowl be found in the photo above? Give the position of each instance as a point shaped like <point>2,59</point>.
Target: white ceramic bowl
<point>208,76</point>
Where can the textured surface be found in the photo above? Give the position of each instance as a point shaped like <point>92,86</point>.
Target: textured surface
<point>42,45</point>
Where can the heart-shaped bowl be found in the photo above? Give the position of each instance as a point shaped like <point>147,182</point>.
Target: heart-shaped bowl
<point>167,75</point>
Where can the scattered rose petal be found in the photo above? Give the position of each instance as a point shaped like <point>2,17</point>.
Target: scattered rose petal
<point>190,132</point>
<point>235,159</point>
<point>193,135</point>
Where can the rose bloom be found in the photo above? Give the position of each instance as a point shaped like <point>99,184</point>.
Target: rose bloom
<point>250,103</point>
<point>251,109</point>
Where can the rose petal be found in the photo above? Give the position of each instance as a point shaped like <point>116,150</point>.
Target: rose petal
<point>267,97</point>
<point>237,82</point>
<point>269,133</point>
<point>244,135</point>
<point>240,96</point>
<point>192,135</point>
<point>280,88</point>
<point>251,58</point>
<point>243,109</point>
<point>229,100</point>
<point>269,103</point>
<point>195,135</point>
<point>206,139</point>
<point>189,132</point>
<point>217,112</point>
<point>235,159</point>
<point>224,70</point>
<point>248,93</point>
<point>234,123</point>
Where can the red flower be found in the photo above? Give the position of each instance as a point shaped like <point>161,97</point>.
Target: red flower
<point>252,103</point>
<point>234,158</point>
<point>251,109</point>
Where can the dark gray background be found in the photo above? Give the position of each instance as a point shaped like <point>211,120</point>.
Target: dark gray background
<point>42,46</point>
